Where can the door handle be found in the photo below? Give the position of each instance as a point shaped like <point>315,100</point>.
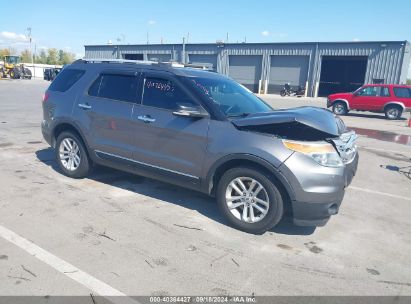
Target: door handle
<point>84,106</point>
<point>146,118</point>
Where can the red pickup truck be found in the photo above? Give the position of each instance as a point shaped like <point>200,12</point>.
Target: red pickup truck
<point>390,99</point>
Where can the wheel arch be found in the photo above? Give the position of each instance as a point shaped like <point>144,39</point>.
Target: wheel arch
<point>67,126</point>
<point>250,161</point>
<point>394,103</point>
<point>345,101</point>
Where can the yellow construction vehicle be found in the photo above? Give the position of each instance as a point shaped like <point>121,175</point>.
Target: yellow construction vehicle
<point>13,68</point>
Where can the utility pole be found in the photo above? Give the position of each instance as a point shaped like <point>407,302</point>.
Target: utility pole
<point>31,51</point>
<point>227,37</point>
<point>147,38</point>
<point>183,53</point>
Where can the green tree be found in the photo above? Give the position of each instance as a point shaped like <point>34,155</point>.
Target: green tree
<point>67,57</point>
<point>409,81</point>
<point>25,56</point>
<point>52,56</point>
<point>4,52</point>
<point>60,56</point>
<point>42,58</point>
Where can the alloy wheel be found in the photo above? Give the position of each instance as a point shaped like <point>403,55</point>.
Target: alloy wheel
<point>247,199</point>
<point>339,109</point>
<point>69,153</point>
<point>393,113</point>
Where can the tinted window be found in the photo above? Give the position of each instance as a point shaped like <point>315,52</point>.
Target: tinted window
<point>115,86</point>
<point>402,92</point>
<point>65,79</point>
<point>163,93</point>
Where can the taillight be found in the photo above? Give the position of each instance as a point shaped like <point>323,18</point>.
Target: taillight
<point>45,97</point>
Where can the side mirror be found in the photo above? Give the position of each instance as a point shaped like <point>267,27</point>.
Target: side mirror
<point>193,111</point>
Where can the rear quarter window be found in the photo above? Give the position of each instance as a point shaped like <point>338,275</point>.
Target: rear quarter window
<point>402,92</point>
<point>115,87</point>
<point>66,79</point>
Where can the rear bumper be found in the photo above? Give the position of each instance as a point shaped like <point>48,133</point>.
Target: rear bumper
<point>45,130</point>
<point>319,195</point>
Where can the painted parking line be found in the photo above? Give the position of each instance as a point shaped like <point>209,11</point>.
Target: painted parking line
<point>380,193</point>
<point>69,270</point>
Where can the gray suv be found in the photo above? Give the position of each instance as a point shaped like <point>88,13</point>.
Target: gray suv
<point>203,131</point>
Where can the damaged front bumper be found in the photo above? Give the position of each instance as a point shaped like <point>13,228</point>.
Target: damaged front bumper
<point>319,190</point>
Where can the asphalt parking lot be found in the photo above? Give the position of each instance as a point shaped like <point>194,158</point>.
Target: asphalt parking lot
<point>124,234</point>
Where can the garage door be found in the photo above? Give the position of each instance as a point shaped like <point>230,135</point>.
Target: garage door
<point>341,74</point>
<point>246,70</point>
<point>159,57</point>
<point>208,60</point>
<point>133,56</point>
<point>287,69</point>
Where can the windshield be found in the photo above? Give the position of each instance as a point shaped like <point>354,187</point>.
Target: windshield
<point>232,98</point>
<point>13,59</point>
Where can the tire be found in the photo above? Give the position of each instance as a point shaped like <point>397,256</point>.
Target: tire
<point>269,193</point>
<point>282,93</point>
<point>340,108</point>
<point>15,73</point>
<point>27,73</point>
<point>393,112</point>
<point>77,167</point>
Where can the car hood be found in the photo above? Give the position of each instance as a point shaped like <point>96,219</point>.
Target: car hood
<point>340,95</point>
<point>309,123</point>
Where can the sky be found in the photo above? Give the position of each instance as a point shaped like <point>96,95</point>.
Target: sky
<point>72,24</point>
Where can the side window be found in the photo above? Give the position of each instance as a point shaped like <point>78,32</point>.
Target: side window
<point>66,79</point>
<point>163,93</point>
<point>95,87</point>
<point>385,92</point>
<point>402,92</point>
<point>368,91</point>
<point>115,86</point>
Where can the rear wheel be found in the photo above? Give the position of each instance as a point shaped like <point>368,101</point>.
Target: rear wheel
<point>249,200</point>
<point>72,156</point>
<point>393,112</point>
<point>27,73</point>
<point>340,108</point>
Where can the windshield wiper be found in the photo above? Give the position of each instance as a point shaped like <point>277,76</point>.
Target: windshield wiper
<point>244,114</point>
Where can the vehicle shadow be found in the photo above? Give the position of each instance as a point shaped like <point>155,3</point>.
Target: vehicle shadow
<point>186,198</point>
<point>370,115</point>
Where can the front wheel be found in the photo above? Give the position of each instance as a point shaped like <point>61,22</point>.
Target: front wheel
<point>282,93</point>
<point>340,108</point>
<point>393,112</point>
<point>72,156</point>
<point>249,200</point>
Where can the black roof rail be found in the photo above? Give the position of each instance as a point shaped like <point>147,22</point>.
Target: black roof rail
<point>169,64</point>
<point>110,60</point>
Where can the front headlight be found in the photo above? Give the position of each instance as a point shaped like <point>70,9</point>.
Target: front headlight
<point>323,153</point>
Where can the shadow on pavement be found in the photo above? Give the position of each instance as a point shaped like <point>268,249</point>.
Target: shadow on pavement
<point>186,198</point>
